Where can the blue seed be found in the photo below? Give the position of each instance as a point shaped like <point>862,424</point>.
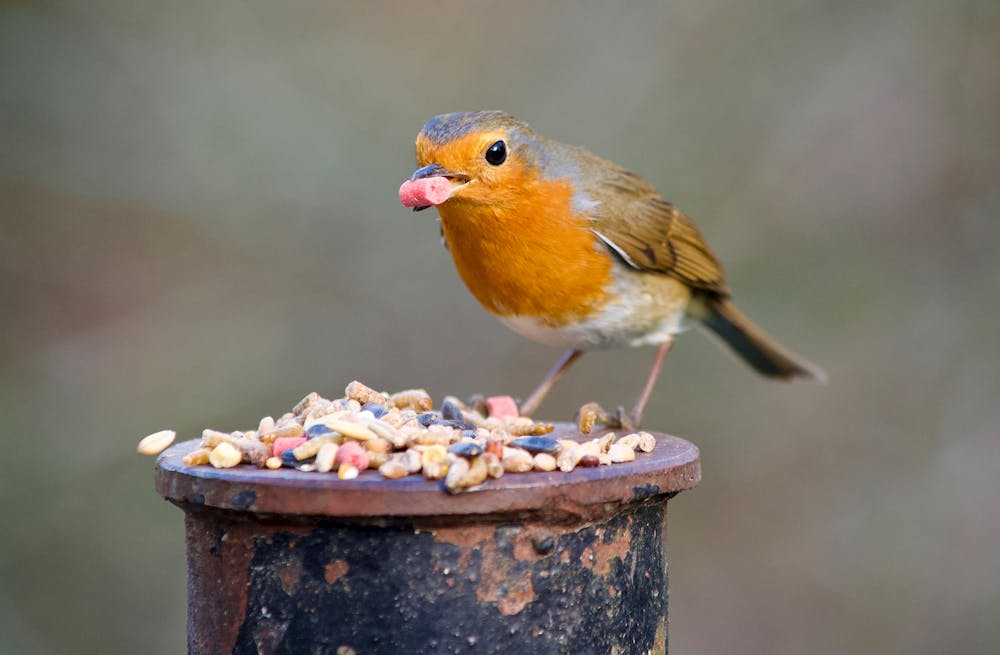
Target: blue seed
<point>317,430</point>
<point>537,444</point>
<point>451,412</point>
<point>461,425</point>
<point>468,449</point>
<point>378,410</point>
<point>427,418</point>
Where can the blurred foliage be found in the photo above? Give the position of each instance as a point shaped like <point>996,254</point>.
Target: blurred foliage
<point>199,224</point>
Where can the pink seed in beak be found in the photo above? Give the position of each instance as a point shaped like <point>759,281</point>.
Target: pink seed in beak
<point>425,191</point>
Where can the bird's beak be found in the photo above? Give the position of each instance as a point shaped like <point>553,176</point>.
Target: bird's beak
<point>430,170</point>
<point>421,195</point>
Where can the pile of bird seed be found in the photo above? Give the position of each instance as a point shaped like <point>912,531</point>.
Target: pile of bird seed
<point>400,434</point>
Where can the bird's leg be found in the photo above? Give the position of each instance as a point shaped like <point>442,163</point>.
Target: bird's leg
<point>528,407</point>
<point>640,405</point>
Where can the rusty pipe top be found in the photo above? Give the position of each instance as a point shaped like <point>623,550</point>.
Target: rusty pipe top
<point>672,466</point>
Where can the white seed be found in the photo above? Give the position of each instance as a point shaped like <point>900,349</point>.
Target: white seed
<point>494,468</point>
<point>266,425</point>
<point>544,462</point>
<point>319,418</point>
<point>465,473</point>
<point>376,460</point>
<point>348,429</point>
<point>157,442</point>
<point>225,456</point>
<point>393,469</point>
<point>569,458</point>
<point>647,442</point>
<point>326,457</point>
<point>456,472</point>
<point>214,437</point>
<point>620,452</point>
<point>412,460</point>
<point>435,470</point>
<point>310,448</point>
<point>378,445</point>
<point>630,440</point>
<point>197,457</point>
<point>515,460</point>
<point>385,431</point>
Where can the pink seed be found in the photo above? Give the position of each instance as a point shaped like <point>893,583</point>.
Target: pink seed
<point>425,191</point>
<point>501,406</point>
<point>353,453</point>
<point>281,444</point>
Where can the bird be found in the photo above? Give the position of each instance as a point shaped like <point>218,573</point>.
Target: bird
<point>572,250</point>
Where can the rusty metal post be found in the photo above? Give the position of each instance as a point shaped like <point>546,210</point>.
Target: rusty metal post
<point>283,562</point>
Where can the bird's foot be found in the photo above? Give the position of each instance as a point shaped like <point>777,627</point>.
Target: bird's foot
<point>626,421</point>
<point>593,414</point>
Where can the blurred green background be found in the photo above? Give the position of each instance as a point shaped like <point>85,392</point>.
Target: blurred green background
<point>199,225</point>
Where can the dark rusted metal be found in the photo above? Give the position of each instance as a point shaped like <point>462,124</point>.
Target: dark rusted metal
<point>291,562</point>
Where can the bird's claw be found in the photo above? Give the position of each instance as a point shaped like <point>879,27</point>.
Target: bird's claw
<point>593,414</point>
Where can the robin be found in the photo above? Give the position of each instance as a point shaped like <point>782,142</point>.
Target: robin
<point>572,250</point>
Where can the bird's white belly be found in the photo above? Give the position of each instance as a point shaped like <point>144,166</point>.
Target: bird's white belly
<point>643,309</point>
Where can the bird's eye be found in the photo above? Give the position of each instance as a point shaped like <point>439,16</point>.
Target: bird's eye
<point>496,154</point>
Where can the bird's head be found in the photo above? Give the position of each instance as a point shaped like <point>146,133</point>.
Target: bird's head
<point>477,157</point>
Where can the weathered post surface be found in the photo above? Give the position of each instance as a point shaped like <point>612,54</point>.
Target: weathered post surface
<point>286,562</point>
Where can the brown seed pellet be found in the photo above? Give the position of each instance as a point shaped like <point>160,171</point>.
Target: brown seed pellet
<point>303,405</point>
<point>363,394</point>
<point>587,418</point>
<point>416,399</point>
<point>251,451</point>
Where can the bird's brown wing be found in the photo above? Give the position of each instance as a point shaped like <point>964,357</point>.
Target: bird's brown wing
<point>650,234</point>
<point>646,231</point>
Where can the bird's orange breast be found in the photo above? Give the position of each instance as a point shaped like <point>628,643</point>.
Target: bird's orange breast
<point>525,253</point>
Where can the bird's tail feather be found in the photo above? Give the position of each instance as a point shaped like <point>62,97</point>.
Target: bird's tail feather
<point>753,345</point>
